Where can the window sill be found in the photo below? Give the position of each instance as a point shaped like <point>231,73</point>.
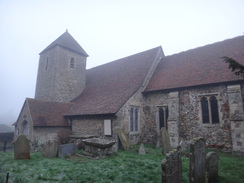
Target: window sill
<point>134,133</point>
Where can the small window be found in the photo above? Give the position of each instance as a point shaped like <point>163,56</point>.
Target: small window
<point>72,63</point>
<point>46,65</point>
<point>134,119</point>
<point>210,112</point>
<point>163,117</point>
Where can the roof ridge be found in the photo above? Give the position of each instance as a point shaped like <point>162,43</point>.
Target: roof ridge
<point>158,47</point>
<point>206,45</point>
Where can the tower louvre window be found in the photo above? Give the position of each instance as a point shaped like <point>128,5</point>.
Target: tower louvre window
<point>72,63</point>
<point>46,65</point>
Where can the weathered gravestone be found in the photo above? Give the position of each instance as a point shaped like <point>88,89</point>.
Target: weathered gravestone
<point>124,140</point>
<point>165,141</point>
<point>50,149</point>
<point>197,161</point>
<point>66,150</point>
<point>21,147</point>
<point>142,149</point>
<point>212,161</point>
<point>172,167</point>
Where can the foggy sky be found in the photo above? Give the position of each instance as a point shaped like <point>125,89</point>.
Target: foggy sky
<point>107,30</point>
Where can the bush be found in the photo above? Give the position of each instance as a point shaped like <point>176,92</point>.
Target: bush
<point>64,136</point>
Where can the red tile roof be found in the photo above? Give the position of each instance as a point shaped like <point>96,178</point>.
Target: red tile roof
<point>199,66</point>
<point>110,85</point>
<point>47,113</point>
<point>68,42</point>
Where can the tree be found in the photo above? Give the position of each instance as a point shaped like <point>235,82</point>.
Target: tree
<point>235,66</point>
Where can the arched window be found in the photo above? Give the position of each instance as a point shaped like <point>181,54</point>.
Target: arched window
<point>134,119</point>
<point>214,109</point>
<point>72,63</point>
<point>163,113</point>
<point>210,112</point>
<point>25,128</point>
<point>205,110</point>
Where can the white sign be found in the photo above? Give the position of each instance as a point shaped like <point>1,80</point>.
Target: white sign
<point>107,127</point>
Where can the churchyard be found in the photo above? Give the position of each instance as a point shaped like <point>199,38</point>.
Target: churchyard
<point>123,166</point>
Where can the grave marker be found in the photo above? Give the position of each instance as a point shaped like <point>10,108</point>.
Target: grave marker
<point>212,161</point>
<point>50,149</point>
<point>172,167</point>
<point>124,140</point>
<point>197,161</point>
<point>21,147</point>
<point>66,150</point>
<point>142,149</point>
<point>165,141</point>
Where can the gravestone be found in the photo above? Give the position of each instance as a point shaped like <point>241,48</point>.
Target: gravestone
<point>165,141</point>
<point>172,167</point>
<point>66,150</point>
<point>212,161</point>
<point>50,149</point>
<point>21,147</point>
<point>197,161</point>
<point>142,149</point>
<point>124,140</point>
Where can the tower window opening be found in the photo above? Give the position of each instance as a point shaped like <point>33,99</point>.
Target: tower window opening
<point>46,66</point>
<point>72,63</point>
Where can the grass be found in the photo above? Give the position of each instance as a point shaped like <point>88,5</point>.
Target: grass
<point>124,166</point>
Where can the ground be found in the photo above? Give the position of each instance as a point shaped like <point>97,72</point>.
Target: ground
<point>124,166</point>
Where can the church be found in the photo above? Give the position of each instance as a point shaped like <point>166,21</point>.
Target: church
<point>191,94</point>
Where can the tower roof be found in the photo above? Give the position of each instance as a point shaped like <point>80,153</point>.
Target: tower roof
<point>68,42</point>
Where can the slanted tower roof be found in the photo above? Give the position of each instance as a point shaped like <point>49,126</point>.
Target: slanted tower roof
<point>68,42</point>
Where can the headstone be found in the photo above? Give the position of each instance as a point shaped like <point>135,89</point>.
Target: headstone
<point>66,150</point>
<point>212,161</point>
<point>158,145</point>
<point>50,149</point>
<point>165,141</point>
<point>184,145</point>
<point>142,150</point>
<point>172,167</point>
<point>197,161</point>
<point>21,147</point>
<point>124,140</point>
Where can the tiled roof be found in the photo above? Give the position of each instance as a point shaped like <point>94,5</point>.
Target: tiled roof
<point>199,66</point>
<point>46,113</point>
<point>110,85</point>
<point>68,42</point>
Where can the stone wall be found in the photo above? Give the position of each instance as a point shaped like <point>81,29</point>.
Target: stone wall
<point>56,81</point>
<point>152,103</point>
<point>87,126</point>
<point>44,134</point>
<point>236,117</point>
<point>24,117</point>
<point>191,125</point>
<point>184,121</point>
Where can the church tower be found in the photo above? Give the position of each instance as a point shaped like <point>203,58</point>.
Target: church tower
<point>62,70</point>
